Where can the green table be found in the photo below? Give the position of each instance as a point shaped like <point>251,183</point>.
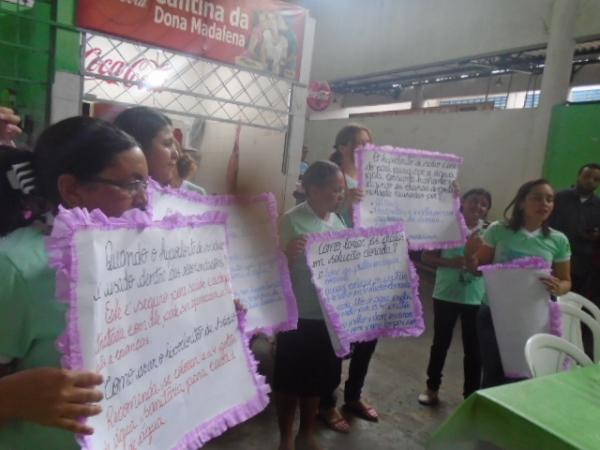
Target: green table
<point>559,411</point>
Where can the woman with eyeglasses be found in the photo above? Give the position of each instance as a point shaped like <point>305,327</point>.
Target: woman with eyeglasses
<point>457,294</point>
<point>78,162</point>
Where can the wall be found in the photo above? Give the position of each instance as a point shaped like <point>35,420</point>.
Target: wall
<point>356,37</point>
<point>574,140</point>
<point>493,143</point>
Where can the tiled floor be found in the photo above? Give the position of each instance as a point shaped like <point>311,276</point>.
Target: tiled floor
<point>396,376</point>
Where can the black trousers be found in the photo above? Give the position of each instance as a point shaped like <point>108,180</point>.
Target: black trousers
<point>357,373</point>
<point>493,372</point>
<point>445,315</point>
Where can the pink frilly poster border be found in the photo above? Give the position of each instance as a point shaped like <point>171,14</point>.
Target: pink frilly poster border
<point>397,151</point>
<point>230,200</point>
<point>532,262</point>
<point>62,257</point>
<point>344,337</point>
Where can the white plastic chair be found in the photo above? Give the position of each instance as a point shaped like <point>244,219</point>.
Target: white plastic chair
<point>545,354</point>
<point>572,298</point>
<point>571,319</point>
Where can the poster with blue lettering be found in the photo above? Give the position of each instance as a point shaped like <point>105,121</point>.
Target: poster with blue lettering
<point>367,285</point>
<point>151,309</point>
<point>259,270</point>
<point>415,187</point>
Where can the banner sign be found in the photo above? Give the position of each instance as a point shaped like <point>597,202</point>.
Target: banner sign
<point>259,270</point>
<point>521,307</point>
<point>151,309</point>
<point>367,285</point>
<point>261,35</point>
<point>415,187</point>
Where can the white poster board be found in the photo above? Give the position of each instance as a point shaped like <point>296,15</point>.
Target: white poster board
<point>520,307</point>
<point>259,270</point>
<point>367,285</point>
<point>152,311</point>
<point>415,187</point>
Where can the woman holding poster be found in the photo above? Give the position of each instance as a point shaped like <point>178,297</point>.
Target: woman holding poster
<point>305,362</point>
<point>347,140</point>
<point>457,293</point>
<point>524,233</point>
<point>78,162</point>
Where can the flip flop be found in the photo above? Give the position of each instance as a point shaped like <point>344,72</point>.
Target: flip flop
<point>338,424</point>
<point>362,411</point>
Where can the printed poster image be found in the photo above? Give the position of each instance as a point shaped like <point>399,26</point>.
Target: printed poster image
<point>259,270</point>
<point>152,311</point>
<point>415,187</point>
<point>367,286</point>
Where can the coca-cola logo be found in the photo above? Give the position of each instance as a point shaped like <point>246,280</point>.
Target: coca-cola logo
<point>319,95</point>
<point>133,73</point>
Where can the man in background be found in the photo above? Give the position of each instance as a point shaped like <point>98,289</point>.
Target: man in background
<point>577,214</point>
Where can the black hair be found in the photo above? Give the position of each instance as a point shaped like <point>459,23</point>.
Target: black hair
<point>319,174</point>
<point>594,166</point>
<point>347,135</point>
<point>143,124</point>
<point>13,209</point>
<point>186,165</point>
<point>516,220</point>
<point>478,191</point>
<point>336,157</point>
<point>80,146</point>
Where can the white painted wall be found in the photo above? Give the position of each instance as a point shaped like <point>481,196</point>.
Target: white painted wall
<point>358,37</point>
<point>493,143</point>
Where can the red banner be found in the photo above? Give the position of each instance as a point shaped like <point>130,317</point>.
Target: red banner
<point>264,35</point>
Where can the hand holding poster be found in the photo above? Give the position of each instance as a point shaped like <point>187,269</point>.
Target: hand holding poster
<point>151,310</point>
<point>521,307</point>
<point>259,271</point>
<point>367,286</point>
<point>412,186</point>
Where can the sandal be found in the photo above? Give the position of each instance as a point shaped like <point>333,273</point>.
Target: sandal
<point>337,423</point>
<point>428,398</point>
<point>362,411</point>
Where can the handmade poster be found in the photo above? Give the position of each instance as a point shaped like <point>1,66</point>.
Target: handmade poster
<point>521,307</point>
<point>367,286</point>
<point>259,270</point>
<point>415,187</point>
<point>151,309</point>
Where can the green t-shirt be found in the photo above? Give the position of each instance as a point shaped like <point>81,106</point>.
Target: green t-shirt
<point>31,319</point>
<point>346,213</point>
<point>295,223</point>
<point>510,245</point>
<point>456,285</point>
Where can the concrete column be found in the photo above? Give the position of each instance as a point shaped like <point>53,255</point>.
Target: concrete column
<point>297,120</point>
<point>555,80</point>
<point>418,99</point>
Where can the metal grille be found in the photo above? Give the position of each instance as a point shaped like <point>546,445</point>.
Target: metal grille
<point>124,72</point>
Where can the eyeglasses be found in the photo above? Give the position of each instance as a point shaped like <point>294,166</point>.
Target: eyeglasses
<point>131,187</point>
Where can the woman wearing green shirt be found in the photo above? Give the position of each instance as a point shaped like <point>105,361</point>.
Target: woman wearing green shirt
<point>347,141</point>
<point>524,233</point>
<point>305,362</point>
<point>457,293</point>
<point>78,162</point>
